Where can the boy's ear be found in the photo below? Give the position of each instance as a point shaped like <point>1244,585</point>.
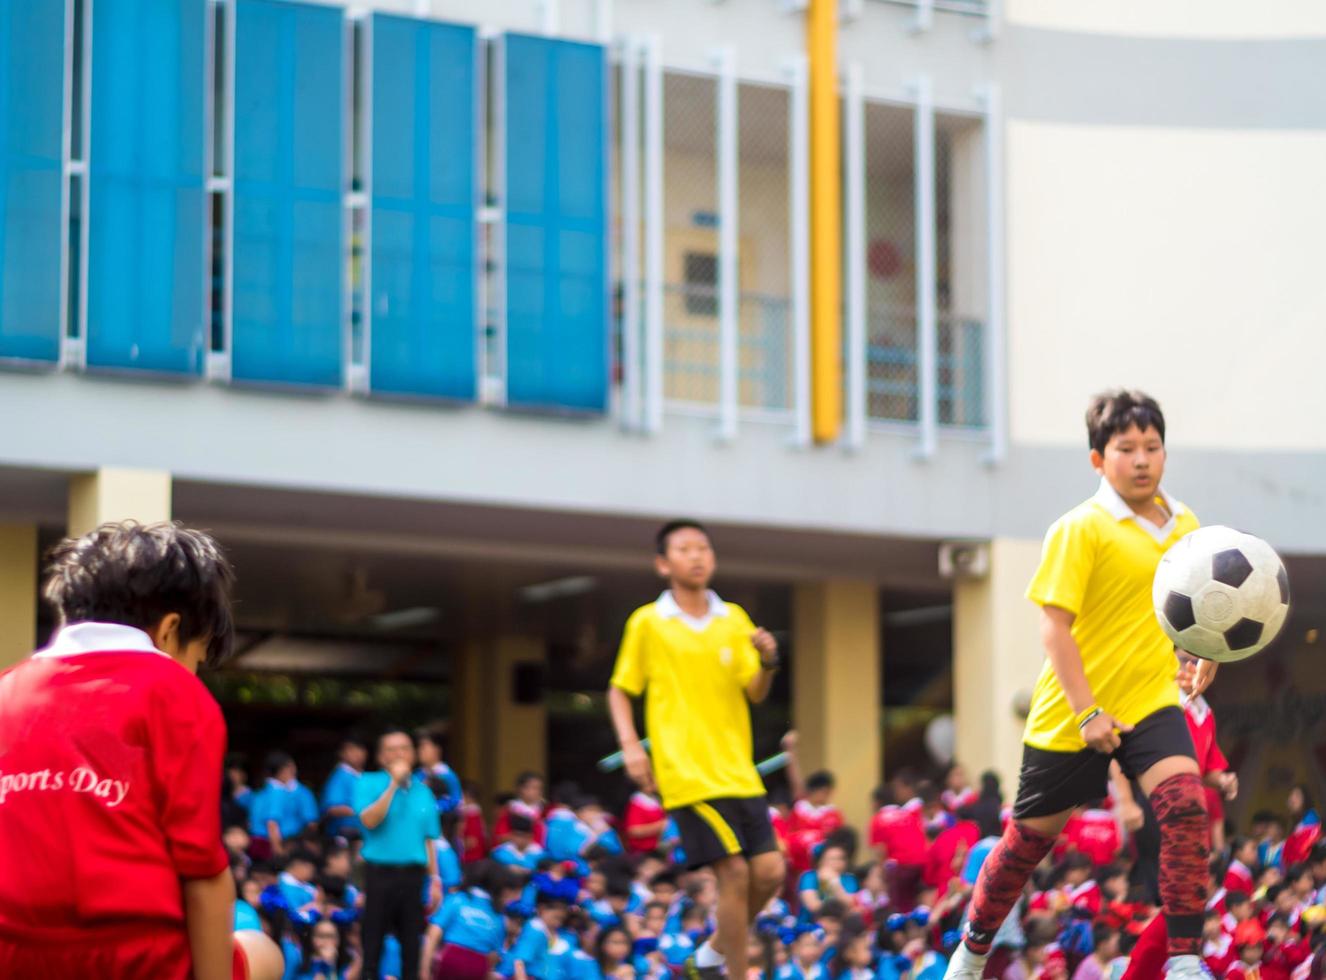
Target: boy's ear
<point>1098,462</point>
<point>661,566</point>
<point>165,635</point>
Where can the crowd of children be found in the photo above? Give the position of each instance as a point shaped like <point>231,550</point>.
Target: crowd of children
<point>557,888</point>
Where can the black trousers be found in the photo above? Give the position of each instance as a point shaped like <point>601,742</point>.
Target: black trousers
<point>394,903</point>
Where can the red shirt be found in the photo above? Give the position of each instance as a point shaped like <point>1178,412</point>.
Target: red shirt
<point>950,848</point>
<point>1280,961</point>
<point>1093,833</point>
<point>473,833</point>
<point>1239,878</point>
<point>502,829</point>
<point>1238,970</point>
<point>808,826</point>
<point>1202,727</point>
<point>110,785</point>
<point>642,811</point>
<point>901,829</point>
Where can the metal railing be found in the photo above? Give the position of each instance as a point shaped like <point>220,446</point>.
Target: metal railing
<point>892,384</point>
<point>691,349</point>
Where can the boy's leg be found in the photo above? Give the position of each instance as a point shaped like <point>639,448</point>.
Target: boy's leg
<point>734,883</point>
<point>1005,872</point>
<point>768,873</point>
<point>1174,786</point>
<point>1150,953</point>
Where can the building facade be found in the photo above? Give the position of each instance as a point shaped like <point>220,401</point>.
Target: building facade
<point>433,310</point>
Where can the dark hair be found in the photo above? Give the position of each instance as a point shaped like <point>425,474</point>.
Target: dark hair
<point>1107,871</point>
<point>831,908</point>
<point>276,761</point>
<point>136,574</point>
<point>882,795</point>
<point>1101,933</point>
<point>1307,797</point>
<point>618,886</point>
<point>518,823</point>
<point>1235,898</point>
<point>928,792</point>
<point>1041,931</point>
<point>566,793</point>
<point>600,956</point>
<point>358,740</point>
<point>301,854</point>
<point>820,779</point>
<point>668,876</point>
<point>666,531</point>
<point>1112,412</point>
<point>391,730</point>
<point>526,776</point>
<point>1297,871</point>
<point>852,931</point>
<point>1278,918</point>
<point>428,733</point>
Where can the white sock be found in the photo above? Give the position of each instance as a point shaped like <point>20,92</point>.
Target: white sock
<point>706,955</point>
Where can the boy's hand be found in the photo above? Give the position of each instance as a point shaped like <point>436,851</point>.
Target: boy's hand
<point>1133,817</point>
<point>1229,785</point>
<point>1102,733</point>
<point>765,645</point>
<point>638,766</point>
<point>1206,672</point>
<point>789,742</point>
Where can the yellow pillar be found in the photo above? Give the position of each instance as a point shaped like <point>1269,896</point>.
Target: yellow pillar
<point>997,656</point>
<point>18,592</point>
<point>836,676</point>
<point>117,494</point>
<point>826,332</point>
<point>498,737</point>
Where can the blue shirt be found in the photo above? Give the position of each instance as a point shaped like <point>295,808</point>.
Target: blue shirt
<point>339,791</point>
<point>411,821</point>
<point>809,882</point>
<point>793,972</point>
<point>451,796</point>
<point>292,807</point>
<point>246,917</point>
<point>468,919</point>
<point>507,854</point>
<point>568,836</point>
<point>295,892</point>
<point>534,949</point>
<point>448,864</point>
<point>676,947</point>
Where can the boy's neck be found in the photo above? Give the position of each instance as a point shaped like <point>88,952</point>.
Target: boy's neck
<point>693,602</point>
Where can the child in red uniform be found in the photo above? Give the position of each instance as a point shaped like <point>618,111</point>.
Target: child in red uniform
<point>897,833</point>
<point>111,769</point>
<point>644,823</point>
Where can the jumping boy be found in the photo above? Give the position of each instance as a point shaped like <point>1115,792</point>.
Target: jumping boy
<point>111,756</point>
<point>700,662</point>
<point>1107,689</point>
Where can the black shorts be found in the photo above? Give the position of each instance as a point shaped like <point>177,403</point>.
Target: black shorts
<point>1052,782</point>
<point>715,829</point>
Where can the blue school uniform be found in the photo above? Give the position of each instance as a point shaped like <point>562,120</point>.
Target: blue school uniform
<point>676,947</point>
<point>468,919</point>
<point>809,882</point>
<point>340,791</point>
<point>246,917</point>
<point>451,796</point>
<point>527,860</point>
<point>794,972</point>
<point>534,948</point>
<point>296,893</point>
<point>291,806</point>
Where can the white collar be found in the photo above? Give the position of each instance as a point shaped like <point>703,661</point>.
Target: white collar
<point>79,638</point>
<point>1114,505</point>
<point>1199,709</point>
<point>667,608</point>
<point>349,768</point>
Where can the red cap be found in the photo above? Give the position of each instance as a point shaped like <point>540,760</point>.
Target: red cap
<point>1249,933</point>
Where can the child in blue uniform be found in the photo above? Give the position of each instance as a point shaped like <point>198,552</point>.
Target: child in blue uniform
<point>469,927</point>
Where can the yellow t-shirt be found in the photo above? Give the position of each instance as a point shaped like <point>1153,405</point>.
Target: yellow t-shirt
<point>1098,563</point>
<point>696,713</point>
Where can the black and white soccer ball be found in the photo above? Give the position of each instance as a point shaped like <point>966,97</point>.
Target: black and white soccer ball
<point>1221,594</point>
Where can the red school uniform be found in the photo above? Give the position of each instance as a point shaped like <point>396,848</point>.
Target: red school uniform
<point>1239,878</point>
<point>110,795</point>
<point>808,826</point>
<point>641,811</point>
<point>949,849</point>
<point>1094,833</point>
<point>1280,961</point>
<point>502,828</point>
<point>473,833</point>
<point>1202,727</point>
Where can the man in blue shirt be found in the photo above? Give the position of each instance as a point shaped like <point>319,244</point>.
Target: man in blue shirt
<point>338,793</point>
<point>281,810</point>
<point>400,822</point>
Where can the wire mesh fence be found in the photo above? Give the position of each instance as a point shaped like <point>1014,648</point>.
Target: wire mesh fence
<point>891,320</point>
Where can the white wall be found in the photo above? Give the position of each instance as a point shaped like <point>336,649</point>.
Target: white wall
<point>1230,19</point>
<point>1186,262</point>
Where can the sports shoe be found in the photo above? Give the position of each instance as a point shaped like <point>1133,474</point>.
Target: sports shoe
<point>693,972</point>
<point>965,965</point>
<point>1187,968</point>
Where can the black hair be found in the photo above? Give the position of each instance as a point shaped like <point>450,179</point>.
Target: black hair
<point>1041,931</point>
<point>831,908</point>
<point>618,886</point>
<point>1118,410</point>
<point>928,792</point>
<point>301,854</point>
<point>526,776</point>
<point>546,863</point>
<point>600,956</point>
<point>1307,797</point>
<point>393,730</point>
<point>1318,854</point>
<point>820,779</point>
<point>666,531</point>
<point>1101,933</point>
<point>518,823</point>
<point>1272,893</point>
<point>844,837</point>
<point>666,877</point>
<point>853,930</point>
<point>276,761</point>
<point>882,795</point>
<point>1278,918</point>
<point>1235,898</point>
<point>354,739</point>
<point>429,733</point>
<point>1297,871</point>
<point>136,574</point>
<point>1263,816</point>
<point>566,793</point>
<point>1107,871</point>
<point>990,785</point>
<point>545,899</point>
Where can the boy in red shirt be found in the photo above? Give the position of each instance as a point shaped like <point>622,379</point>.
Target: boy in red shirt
<point>897,834</point>
<point>111,756</point>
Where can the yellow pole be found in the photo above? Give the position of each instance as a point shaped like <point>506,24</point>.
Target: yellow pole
<point>826,332</point>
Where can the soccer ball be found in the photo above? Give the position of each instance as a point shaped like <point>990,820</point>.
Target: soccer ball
<point>1221,594</point>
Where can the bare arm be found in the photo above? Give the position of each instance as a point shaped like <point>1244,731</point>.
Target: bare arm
<point>432,939</point>
<point>209,918</point>
<point>634,755</point>
<point>339,811</point>
<point>758,689</point>
<point>274,836</point>
<point>795,783</point>
<point>376,812</point>
<point>767,647</point>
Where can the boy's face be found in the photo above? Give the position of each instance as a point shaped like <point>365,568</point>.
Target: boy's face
<point>354,755</point>
<point>1076,876</point>
<point>820,797</point>
<point>807,950</point>
<point>1115,888</point>
<point>338,864</point>
<point>429,753</point>
<point>665,892</point>
<point>1241,912</point>
<point>596,884</point>
<point>302,870</point>
<point>553,915</point>
<point>236,840</point>
<point>655,920</point>
<point>1133,463</point>
<point>1247,853</point>
<point>521,839</point>
<point>1303,885</point>
<point>1251,953</point>
<point>287,774</point>
<point>688,560</point>
<point>1276,933</point>
<point>531,791</point>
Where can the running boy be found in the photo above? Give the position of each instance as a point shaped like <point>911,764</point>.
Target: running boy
<point>111,752</point>
<point>700,662</point>
<point>1107,689</point>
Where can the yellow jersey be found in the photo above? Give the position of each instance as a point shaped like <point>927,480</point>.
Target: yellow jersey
<point>1098,563</point>
<point>693,675</point>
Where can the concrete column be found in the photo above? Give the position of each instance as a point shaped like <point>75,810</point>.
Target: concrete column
<point>836,677</point>
<point>18,592</point>
<point>497,738</point>
<point>997,657</point>
<point>116,494</point>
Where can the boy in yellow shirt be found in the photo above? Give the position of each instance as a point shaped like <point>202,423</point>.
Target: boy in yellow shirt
<point>1107,690</point>
<point>700,663</point>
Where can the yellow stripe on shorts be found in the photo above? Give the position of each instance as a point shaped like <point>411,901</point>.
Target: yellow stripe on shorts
<point>726,835</point>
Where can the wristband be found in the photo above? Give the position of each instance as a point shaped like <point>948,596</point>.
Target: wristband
<point>1088,716</point>
<point>765,665</point>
